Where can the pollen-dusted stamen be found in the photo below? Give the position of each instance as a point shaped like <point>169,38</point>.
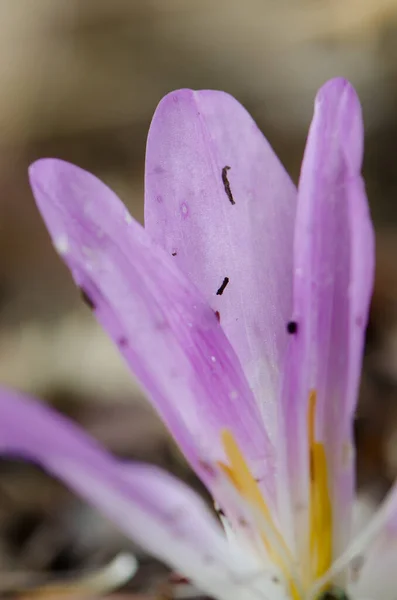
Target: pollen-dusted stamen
<point>320,504</point>
<point>239,474</point>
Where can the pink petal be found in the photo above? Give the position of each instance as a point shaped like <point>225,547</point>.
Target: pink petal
<point>165,330</point>
<point>334,263</point>
<point>159,512</point>
<point>219,201</point>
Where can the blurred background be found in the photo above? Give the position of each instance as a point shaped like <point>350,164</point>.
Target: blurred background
<point>80,81</point>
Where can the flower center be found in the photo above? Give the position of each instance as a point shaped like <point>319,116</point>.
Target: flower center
<point>320,509</point>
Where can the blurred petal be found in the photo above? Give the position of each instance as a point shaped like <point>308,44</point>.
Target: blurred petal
<point>334,262</point>
<point>166,331</point>
<point>159,512</point>
<point>370,557</point>
<point>100,581</point>
<point>219,201</point>
<point>374,574</point>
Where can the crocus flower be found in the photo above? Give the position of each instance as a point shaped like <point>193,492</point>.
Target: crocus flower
<point>241,308</point>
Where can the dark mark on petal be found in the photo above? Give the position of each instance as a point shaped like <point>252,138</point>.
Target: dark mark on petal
<point>207,467</point>
<point>174,253</point>
<point>177,579</point>
<point>220,512</point>
<point>292,327</point>
<point>122,341</point>
<point>226,184</point>
<point>87,299</point>
<point>218,315</point>
<point>223,286</point>
<point>357,564</point>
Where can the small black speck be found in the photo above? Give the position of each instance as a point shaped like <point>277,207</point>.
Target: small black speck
<point>220,512</point>
<point>223,286</point>
<point>87,299</point>
<point>173,253</point>
<point>292,327</point>
<point>218,315</point>
<point>226,184</point>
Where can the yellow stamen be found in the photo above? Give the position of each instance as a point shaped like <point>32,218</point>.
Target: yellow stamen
<point>242,477</point>
<point>320,509</point>
<point>239,474</point>
<point>320,504</point>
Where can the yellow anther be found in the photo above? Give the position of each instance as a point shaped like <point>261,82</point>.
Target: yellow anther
<point>242,477</point>
<point>239,474</point>
<point>320,504</point>
<point>320,509</point>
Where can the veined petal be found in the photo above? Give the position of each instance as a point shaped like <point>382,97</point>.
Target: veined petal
<point>220,202</point>
<point>159,512</point>
<point>333,274</point>
<point>166,331</point>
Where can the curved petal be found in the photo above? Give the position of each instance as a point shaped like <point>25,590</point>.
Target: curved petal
<point>159,512</point>
<point>219,201</point>
<point>167,333</point>
<point>334,264</point>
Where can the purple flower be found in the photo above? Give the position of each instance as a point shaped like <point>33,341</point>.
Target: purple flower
<point>241,308</point>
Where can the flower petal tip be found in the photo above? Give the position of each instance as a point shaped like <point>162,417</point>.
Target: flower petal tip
<point>175,97</point>
<point>47,174</point>
<point>338,116</point>
<point>185,96</point>
<point>38,167</point>
<point>339,95</point>
<point>334,89</point>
